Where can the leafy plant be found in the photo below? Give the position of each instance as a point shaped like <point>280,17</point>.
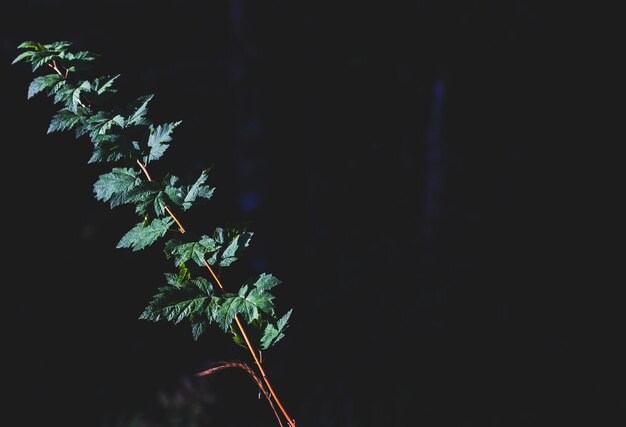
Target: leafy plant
<point>125,137</point>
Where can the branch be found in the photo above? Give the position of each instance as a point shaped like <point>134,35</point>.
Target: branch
<point>291,421</point>
<point>255,377</point>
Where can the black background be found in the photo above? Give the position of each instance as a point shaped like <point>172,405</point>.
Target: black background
<point>428,180</point>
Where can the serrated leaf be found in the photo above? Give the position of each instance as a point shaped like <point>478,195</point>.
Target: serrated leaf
<point>224,310</point>
<point>104,84</point>
<point>195,251</point>
<point>261,300</point>
<point>143,235</point>
<point>148,198</point>
<point>187,298</point>
<point>63,120</point>
<point>158,140</point>
<point>57,46</point>
<point>106,152</point>
<point>197,190</point>
<point>113,147</point>
<point>100,123</point>
<point>116,185</point>
<point>274,333</point>
<point>64,94</point>
<point>234,249</point>
<point>83,87</point>
<point>185,195</point>
<point>31,45</point>
<point>175,304</point>
<point>70,60</point>
<point>198,325</point>
<point>43,82</point>
<point>266,282</point>
<point>251,300</point>
<point>139,110</point>
<point>22,56</point>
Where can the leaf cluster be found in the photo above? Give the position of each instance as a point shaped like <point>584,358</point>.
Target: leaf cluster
<point>127,139</point>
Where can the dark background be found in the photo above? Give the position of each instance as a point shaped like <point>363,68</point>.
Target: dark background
<point>427,178</point>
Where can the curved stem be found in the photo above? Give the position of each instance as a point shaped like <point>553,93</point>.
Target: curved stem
<point>255,377</point>
<point>145,171</point>
<point>291,421</point>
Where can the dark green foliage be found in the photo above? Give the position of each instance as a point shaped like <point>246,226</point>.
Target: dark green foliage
<point>63,120</point>
<point>180,299</point>
<point>127,137</point>
<point>195,299</point>
<point>145,233</point>
<point>115,185</point>
<point>224,247</point>
<point>123,185</point>
<point>51,83</point>
<point>158,139</point>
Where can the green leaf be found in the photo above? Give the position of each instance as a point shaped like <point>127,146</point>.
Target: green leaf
<point>175,303</point>
<point>251,301</point>
<point>31,45</point>
<point>231,244</point>
<point>185,196</point>
<point>199,324</point>
<point>148,198</point>
<point>143,235</point>
<point>139,109</point>
<point>273,333</point>
<point>63,120</point>
<point>101,123</point>
<point>259,295</point>
<point>49,81</point>
<point>83,87</point>
<point>64,94</point>
<point>24,55</point>
<point>224,309</point>
<point>116,185</point>
<point>235,248</point>
<point>158,139</point>
<point>41,58</point>
<point>104,84</point>
<point>113,147</point>
<point>195,251</point>
<point>58,46</point>
<point>69,60</point>
<point>265,282</point>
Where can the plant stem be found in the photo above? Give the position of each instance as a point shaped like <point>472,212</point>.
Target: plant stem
<point>55,68</point>
<point>145,171</point>
<point>180,226</point>
<point>291,421</point>
<point>250,372</point>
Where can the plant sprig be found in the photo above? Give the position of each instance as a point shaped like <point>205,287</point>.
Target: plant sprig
<point>126,138</point>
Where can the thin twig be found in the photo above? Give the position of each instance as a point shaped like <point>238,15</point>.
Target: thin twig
<point>180,226</point>
<point>145,171</point>
<point>255,377</point>
<point>55,68</point>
